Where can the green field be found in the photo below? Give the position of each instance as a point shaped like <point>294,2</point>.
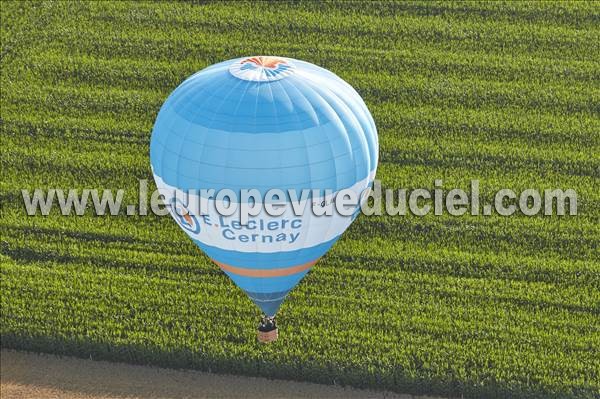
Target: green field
<point>507,93</point>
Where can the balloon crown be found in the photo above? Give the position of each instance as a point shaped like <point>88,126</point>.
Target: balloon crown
<point>262,68</point>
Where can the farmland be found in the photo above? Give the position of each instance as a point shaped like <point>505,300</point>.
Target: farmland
<point>480,306</point>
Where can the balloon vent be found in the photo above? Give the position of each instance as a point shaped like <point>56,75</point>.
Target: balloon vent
<point>262,68</point>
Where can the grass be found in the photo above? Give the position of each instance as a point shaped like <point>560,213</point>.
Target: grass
<point>507,93</point>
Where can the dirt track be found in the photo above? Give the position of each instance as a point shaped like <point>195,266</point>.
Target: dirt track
<point>26,375</point>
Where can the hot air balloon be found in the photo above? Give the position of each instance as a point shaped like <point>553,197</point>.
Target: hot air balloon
<point>263,123</point>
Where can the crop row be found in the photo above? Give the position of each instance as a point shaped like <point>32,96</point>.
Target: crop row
<point>512,126</point>
<point>251,25</point>
<point>98,163</point>
<point>62,63</point>
<point>377,88</point>
<point>509,254</point>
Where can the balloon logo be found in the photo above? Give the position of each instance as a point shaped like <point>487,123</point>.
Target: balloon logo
<point>263,123</point>
<point>260,69</point>
<point>183,217</point>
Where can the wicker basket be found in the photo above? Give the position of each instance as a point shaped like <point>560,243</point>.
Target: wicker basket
<point>267,336</point>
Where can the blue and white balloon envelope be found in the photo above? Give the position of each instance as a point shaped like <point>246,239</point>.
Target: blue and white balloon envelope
<point>263,123</point>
